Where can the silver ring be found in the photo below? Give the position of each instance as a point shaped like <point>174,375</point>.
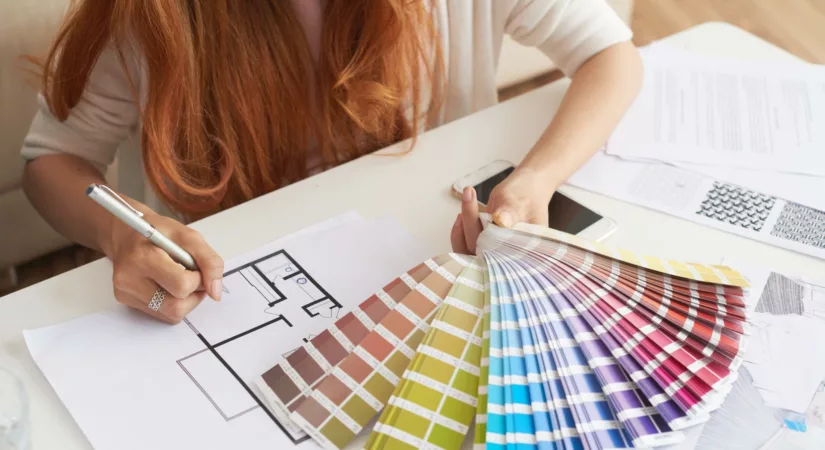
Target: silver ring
<point>157,299</point>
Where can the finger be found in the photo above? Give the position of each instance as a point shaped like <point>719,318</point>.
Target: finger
<point>504,211</point>
<point>457,237</point>
<point>504,217</point>
<point>510,212</point>
<point>139,304</point>
<point>470,222</point>
<point>168,307</point>
<point>170,275</point>
<point>209,262</point>
<point>540,217</point>
<point>178,308</point>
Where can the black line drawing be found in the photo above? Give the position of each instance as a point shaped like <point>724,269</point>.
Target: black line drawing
<point>801,224</point>
<point>737,206</point>
<point>266,288</point>
<point>306,341</point>
<point>264,275</point>
<point>212,349</point>
<point>781,296</point>
<point>324,307</point>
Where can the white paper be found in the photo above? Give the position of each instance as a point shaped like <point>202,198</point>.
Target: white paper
<point>743,419</point>
<point>817,300</point>
<point>701,199</point>
<point>813,435</point>
<point>726,112</point>
<point>793,440</point>
<point>782,354</point>
<point>692,436</point>
<point>803,189</point>
<point>790,366</point>
<point>132,382</point>
<point>775,292</point>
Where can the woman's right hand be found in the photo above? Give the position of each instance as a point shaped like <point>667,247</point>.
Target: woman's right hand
<point>140,268</point>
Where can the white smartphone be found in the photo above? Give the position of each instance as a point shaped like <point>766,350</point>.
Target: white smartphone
<point>565,213</point>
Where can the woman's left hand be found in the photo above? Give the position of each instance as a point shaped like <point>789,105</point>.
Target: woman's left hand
<point>521,197</point>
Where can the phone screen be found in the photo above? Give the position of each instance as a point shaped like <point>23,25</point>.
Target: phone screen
<point>565,214</point>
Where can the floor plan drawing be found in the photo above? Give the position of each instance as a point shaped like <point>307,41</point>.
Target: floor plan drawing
<point>268,296</point>
<point>196,381</point>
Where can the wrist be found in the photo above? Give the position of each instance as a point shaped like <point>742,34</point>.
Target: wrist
<point>105,235</point>
<point>112,231</point>
<point>546,180</point>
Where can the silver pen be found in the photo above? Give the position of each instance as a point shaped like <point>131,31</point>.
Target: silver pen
<point>123,211</point>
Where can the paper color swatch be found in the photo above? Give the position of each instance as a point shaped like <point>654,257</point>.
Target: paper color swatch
<point>289,383</point>
<point>435,402</point>
<point>357,389</point>
<point>541,341</point>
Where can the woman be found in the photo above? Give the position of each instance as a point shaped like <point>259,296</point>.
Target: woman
<point>232,99</point>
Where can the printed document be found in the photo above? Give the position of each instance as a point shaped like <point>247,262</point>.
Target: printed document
<point>724,112</point>
<point>701,199</point>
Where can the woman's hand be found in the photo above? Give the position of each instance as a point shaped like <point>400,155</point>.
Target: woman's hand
<point>521,197</point>
<point>140,268</point>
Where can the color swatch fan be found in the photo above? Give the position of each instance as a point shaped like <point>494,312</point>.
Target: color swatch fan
<point>543,340</point>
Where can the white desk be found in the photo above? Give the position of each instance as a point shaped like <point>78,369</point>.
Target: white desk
<point>415,190</point>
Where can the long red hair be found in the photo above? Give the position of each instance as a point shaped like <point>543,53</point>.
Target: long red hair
<point>229,115</point>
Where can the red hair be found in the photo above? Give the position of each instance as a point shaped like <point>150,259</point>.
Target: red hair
<point>229,115</point>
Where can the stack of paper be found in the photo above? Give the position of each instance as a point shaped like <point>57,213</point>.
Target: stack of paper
<point>781,356</point>
<point>725,112</point>
<point>734,145</point>
<point>744,421</point>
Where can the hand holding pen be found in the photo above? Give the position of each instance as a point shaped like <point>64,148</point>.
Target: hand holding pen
<point>161,266</point>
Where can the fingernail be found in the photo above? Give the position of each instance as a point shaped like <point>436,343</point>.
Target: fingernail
<point>505,219</point>
<point>216,290</point>
<point>468,194</point>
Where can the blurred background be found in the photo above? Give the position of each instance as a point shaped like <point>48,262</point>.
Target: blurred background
<point>30,251</point>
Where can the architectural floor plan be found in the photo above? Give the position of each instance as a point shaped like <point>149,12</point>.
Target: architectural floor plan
<point>192,384</point>
<point>270,295</point>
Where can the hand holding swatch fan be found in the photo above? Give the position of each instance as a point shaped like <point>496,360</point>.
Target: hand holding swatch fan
<point>543,340</point>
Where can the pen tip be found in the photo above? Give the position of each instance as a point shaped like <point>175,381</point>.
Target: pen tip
<point>90,189</point>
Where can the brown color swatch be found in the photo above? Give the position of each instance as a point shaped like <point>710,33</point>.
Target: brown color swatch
<point>352,328</point>
<point>356,368</point>
<point>328,346</point>
<point>397,324</point>
<point>377,346</point>
<point>375,309</point>
<point>280,383</point>
<point>307,368</point>
<point>334,389</point>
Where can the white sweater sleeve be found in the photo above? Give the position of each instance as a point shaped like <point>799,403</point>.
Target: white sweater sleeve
<point>105,115</point>
<point>569,32</point>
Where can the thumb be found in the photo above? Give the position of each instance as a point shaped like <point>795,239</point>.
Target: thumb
<point>503,218</point>
<point>507,216</point>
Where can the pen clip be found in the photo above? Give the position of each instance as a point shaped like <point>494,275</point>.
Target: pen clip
<point>114,194</point>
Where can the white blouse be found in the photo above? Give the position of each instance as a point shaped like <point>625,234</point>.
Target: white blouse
<point>106,120</point>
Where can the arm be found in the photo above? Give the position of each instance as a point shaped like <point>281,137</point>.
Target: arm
<point>591,45</point>
<point>65,156</point>
<point>600,93</point>
<point>55,184</point>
